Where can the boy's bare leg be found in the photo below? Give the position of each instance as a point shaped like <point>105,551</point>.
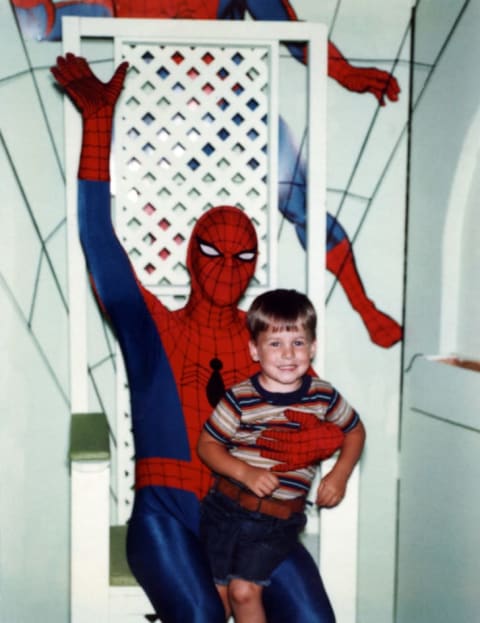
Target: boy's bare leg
<point>223,592</point>
<point>246,601</point>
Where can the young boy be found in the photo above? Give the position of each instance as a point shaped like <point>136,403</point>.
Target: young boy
<point>251,519</point>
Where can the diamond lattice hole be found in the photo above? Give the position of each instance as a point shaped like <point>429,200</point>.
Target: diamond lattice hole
<point>164,163</point>
<point>193,103</point>
<point>148,118</point>
<point>147,57</point>
<point>238,148</point>
<point>149,178</point>
<point>179,179</point>
<point>222,73</point>
<point>193,73</point>
<point>164,253</point>
<point>135,254</point>
<point>178,118</point>
<point>237,58</point>
<point>177,58</point>
<point>193,134</point>
<point>179,239</point>
<point>133,103</point>
<point>163,103</point>
<point>133,71</point>
<point>133,195</point>
<point>133,133</point>
<point>163,73</point>
<point>133,224</point>
<point>208,88</point>
<point>178,150</point>
<point>223,164</point>
<point>207,58</point>
<point>177,87</point>
<point>163,134</point>
<point>149,239</point>
<point>164,224</point>
<point>147,87</point>
<point>149,268</point>
<point>133,164</point>
<point>238,88</point>
<point>148,148</point>
<point>223,103</point>
<point>149,209</point>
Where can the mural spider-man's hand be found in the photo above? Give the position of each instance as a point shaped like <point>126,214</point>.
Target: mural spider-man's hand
<point>313,441</point>
<point>96,101</point>
<point>378,82</point>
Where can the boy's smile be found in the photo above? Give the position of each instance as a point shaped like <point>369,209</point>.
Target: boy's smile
<point>284,356</point>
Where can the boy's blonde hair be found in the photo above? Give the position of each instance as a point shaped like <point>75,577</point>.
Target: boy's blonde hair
<point>281,310</point>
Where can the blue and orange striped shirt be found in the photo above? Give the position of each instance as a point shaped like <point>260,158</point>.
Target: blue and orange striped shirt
<point>248,410</point>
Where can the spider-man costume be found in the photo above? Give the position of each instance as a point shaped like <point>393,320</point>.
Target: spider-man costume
<point>42,18</point>
<point>170,358</point>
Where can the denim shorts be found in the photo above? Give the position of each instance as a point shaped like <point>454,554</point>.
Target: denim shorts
<point>245,544</point>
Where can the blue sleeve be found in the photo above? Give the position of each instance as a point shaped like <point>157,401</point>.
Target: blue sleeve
<point>151,380</point>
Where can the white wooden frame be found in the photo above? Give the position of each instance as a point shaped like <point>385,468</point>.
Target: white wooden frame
<point>336,528</point>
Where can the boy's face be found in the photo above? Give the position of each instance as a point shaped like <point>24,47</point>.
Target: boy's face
<point>284,357</point>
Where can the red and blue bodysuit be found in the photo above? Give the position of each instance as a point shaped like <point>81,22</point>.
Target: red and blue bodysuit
<point>42,19</point>
<point>171,358</point>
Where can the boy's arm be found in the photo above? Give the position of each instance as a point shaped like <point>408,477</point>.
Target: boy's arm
<point>217,457</point>
<point>333,485</point>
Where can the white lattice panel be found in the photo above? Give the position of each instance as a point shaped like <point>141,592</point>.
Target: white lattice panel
<point>193,133</point>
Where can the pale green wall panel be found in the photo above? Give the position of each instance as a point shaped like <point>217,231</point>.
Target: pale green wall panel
<point>439,543</point>
<point>34,486</point>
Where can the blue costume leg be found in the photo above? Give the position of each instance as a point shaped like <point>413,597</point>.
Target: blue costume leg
<point>297,594</point>
<point>292,184</point>
<point>168,561</point>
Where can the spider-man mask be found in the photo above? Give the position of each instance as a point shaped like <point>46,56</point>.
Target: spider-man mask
<point>222,255</point>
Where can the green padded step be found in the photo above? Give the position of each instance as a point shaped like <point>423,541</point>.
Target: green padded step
<point>120,574</point>
<point>89,437</point>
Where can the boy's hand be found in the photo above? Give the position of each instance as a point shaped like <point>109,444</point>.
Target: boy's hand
<point>331,490</point>
<point>261,481</point>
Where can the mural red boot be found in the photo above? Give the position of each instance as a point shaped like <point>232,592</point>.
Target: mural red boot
<point>383,330</point>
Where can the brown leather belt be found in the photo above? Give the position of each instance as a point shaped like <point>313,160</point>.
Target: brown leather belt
<point>282,509</point>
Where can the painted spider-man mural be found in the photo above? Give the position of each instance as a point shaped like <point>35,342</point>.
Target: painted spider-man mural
<point>174,360</point>
<point>42,19</point>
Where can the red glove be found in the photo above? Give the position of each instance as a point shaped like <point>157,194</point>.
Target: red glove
<point>96,101</point>
<point>308,444</point>
<point>378,82</point>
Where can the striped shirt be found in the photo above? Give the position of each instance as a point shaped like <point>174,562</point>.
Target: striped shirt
<point>247,410</point>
